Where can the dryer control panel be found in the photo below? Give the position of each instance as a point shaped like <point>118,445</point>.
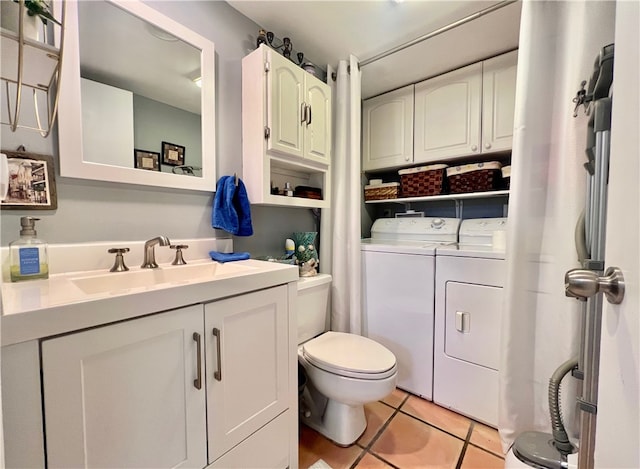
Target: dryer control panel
<point>479,231</point>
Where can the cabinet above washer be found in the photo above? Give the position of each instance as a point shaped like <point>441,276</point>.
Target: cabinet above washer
<point>460,114</point>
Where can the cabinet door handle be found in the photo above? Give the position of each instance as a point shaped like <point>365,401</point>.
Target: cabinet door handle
<point>487,145</point>
<point>309,116</point>
<point>218,335</point>
<point>198,381</point>
<point>474,148</point>
<point>303,113</point>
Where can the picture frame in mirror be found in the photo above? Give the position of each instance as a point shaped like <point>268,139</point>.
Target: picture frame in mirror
<point>172,154</point>
<point>148,160</point>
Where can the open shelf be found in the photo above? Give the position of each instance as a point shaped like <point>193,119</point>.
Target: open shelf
<point>430,198</point>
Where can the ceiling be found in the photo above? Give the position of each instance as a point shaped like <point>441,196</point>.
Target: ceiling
<point>328,31</point>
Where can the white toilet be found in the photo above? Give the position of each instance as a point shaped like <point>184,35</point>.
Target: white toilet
<point>344,371</point>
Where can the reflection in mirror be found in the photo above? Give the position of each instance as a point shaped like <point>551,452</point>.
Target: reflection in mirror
<point>138,92</point>
<point>138,84</point>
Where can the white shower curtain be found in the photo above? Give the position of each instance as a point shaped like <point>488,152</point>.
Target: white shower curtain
<point>341,223</point>
<point>558,45</point>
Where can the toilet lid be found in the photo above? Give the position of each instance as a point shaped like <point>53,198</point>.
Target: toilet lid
<point>350,355</point>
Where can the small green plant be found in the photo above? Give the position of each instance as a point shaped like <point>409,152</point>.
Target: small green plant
<point>39,8</point>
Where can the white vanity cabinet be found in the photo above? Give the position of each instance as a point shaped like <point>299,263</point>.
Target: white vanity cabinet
<point>208,385</point>
<point>286,129</point>
<point>125,395</point>
<point>387,130</point>
<point>247,371</point>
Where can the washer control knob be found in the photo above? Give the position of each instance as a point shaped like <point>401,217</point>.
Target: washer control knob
<point>437,223</point>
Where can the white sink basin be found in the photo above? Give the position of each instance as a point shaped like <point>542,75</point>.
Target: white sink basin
<point>148,278</point>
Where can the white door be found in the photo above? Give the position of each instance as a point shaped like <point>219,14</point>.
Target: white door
<point>387,130</point>
<point>447,115</point>
<point>247,365</point>
<point>317,128</point>
<point>285,110</point>
<point>124,395</point>
<point>618,424</point>
<point>498,101</point>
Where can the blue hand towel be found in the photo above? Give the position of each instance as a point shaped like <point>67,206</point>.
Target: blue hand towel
<point>228,256</point>
<point>231,208</point>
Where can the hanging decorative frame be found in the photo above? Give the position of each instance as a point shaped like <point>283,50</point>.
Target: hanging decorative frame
<point>31,182</point>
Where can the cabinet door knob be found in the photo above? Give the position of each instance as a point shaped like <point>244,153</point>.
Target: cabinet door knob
<point>487,145</point>
<point>474,148</point>
<point>303,113</point>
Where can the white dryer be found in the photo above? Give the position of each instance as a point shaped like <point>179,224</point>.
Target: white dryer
<point>468,303</point>
<point>398,275</point>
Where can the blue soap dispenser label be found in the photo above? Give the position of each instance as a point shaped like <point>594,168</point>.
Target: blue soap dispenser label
<point>29,261</point>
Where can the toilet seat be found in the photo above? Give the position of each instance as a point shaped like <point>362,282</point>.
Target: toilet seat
<point>350,355</point>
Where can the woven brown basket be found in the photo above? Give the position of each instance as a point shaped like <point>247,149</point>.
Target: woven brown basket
<point>484,177</point>
<point>427,180</point>
<point>382,191</point>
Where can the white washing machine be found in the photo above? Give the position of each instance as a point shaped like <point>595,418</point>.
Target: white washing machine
<point>468,303</point>
<point>398,266</point>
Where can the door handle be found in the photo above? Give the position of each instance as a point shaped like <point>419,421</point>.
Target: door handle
<point>309,116</point>
<point>198,381</point>
<point>218,335</point>
<point>303,113</point>
<point>583,283</point>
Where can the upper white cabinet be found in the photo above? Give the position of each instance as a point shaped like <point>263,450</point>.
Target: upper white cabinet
<point>462,113</point>
<point>387,129</point>
<point>286,129</point>
<point>498,101</point>
<point>447,115</point>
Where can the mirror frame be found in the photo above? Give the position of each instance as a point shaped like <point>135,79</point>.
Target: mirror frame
<point>72,163</point>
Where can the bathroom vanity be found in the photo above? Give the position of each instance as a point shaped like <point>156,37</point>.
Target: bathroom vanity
<point>178,368</point>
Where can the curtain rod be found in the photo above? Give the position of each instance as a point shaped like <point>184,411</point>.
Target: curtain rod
<point>446,28</point>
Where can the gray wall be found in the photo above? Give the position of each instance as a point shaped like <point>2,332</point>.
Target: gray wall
<point>95,211</point>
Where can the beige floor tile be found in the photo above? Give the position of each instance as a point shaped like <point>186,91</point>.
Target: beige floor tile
<point>313,446</point>
<point>438,416</point>
<point>408,443</point>
<point>487,438</point>
<point>371,462</point>
<point>377,414</point>
<point>395,398</point>
<point>475,458</point>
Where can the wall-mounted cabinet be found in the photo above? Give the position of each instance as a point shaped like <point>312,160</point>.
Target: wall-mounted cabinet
<point>462,113</point>
<point>387,130</point>
<point>286,129</point>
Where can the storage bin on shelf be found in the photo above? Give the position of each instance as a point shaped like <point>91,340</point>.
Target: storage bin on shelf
<point>387,190</point>
<point>476,177</point>
<point>506,176</point>
<point>423,180</point>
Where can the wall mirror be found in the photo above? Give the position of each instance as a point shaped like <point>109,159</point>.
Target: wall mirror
<point>137,99</point>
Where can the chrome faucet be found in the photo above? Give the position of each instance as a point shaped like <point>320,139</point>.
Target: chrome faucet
<point>149,251</point>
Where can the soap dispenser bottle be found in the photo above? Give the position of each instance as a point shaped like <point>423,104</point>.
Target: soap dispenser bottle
<point>28,255</point>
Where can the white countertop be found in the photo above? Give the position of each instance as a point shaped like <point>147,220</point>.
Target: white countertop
<point>35,309</point>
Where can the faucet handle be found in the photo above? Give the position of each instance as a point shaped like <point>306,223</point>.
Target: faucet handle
<point>118,265</point>
<point>179,260</point>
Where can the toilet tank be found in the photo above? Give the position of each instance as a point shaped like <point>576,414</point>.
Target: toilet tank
<point>313,306</point>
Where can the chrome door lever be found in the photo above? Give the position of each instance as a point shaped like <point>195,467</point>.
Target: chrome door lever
<point>582,284</point>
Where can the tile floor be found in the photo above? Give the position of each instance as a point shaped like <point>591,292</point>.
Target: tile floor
<point>406,432</point>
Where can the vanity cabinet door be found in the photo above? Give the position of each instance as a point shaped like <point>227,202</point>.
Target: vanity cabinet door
<point>247,366</point>
<point>124,395</point>
<point>447,115</point>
